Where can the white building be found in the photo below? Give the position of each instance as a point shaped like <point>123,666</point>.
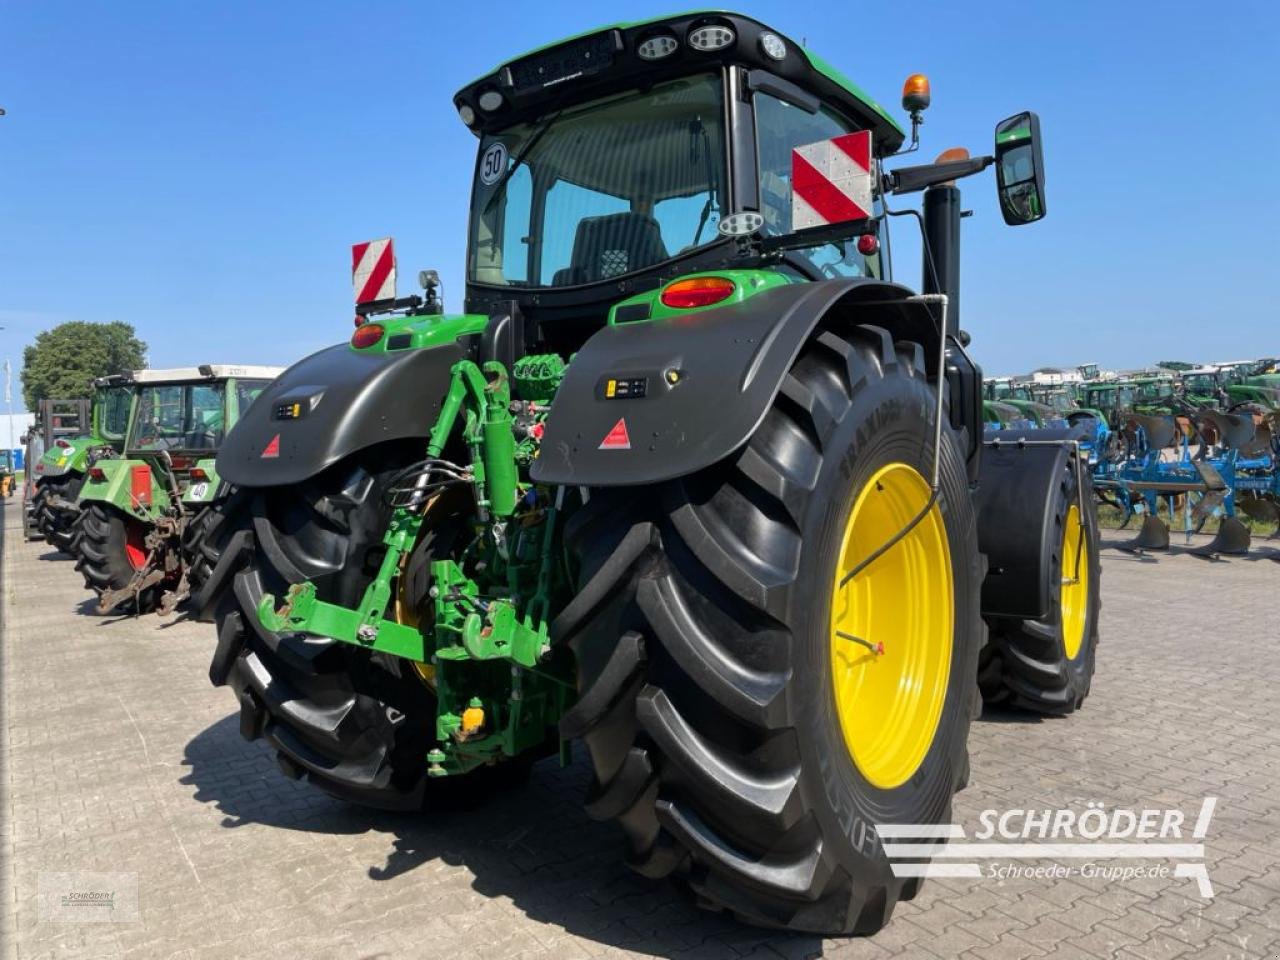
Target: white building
<point>1056,376</point>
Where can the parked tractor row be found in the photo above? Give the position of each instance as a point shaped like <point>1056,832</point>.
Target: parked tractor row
<point>122,482</point>
<point>692,479</point>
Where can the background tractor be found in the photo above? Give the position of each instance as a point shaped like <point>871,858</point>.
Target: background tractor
<point>70,430</point>
<point>691,479</point>
<point>137,514</point>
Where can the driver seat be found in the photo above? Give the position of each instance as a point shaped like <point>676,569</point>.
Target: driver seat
<point>611,245</point>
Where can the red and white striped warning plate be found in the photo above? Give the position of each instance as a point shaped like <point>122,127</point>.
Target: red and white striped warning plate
<point>831,181</point>
<point>373,270</point>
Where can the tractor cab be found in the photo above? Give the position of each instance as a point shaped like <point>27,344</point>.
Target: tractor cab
<point>186,412</point>
<point>615,163</point>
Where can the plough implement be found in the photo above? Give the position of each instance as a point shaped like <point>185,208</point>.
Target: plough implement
<point>1227,465</point>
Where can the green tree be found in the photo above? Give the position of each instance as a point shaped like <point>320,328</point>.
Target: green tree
<point>65,360</point>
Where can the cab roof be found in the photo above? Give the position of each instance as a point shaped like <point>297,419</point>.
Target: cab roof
<point>597,62</point>
<point>200,374</point>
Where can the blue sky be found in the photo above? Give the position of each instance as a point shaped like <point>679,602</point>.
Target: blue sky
<point>200,169</point>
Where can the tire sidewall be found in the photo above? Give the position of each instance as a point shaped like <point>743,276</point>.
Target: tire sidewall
<point>891,421</point>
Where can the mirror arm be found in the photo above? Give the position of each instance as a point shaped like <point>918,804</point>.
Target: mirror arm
<point>911,179</point>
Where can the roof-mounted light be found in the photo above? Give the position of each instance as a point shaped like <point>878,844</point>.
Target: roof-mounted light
<point>773,46</point>
<point>711,38</point>
<point>490,100</point>
<point>466,114</point>
<point>915,93</point>
<point>655,48</point>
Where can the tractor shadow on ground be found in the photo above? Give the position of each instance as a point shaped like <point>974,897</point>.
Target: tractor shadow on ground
<point>88,607</point>
<point>531,844</point>
<point>58,555</point>
<point>999,714</point>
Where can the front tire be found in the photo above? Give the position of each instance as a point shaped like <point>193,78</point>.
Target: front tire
<point>713,699</point>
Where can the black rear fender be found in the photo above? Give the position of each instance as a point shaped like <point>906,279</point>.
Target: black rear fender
<point>708,379</point>
<point>344,402</point>
<point>1018,497</point>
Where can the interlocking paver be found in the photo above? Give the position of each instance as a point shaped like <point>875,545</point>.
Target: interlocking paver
<point>117,755</point>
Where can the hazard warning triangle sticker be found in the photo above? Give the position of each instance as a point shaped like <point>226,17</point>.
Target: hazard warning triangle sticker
<point>272,449</point>
<point>617,439</point>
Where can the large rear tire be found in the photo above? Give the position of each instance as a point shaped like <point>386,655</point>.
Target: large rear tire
<point>355,724</point>
<point>736,741</point>
<point>204,543</point>
<point>110,548</point>
<point>57,526</point>
<point>1047,665</point>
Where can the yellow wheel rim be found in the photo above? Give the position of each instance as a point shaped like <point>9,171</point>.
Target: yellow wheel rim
<point>1075,584</point>
<point>889,690</point>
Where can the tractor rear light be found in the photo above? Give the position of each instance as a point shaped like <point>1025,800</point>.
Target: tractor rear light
<point>490,100</point>
<point>697,292</point>
<point>868,244</point>
<point>655,48</point>
<point>140,485</point>
<point>714,37</point>
<point>367,335</point>
<point>198,475</point>
<point>97,474</point>
<point>64,444</point>
<point>466,114</point>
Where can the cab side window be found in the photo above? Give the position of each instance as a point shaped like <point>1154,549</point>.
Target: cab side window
<point>780,128</point>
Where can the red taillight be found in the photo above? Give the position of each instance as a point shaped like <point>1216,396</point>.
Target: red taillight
<point>97,474</point>
<point>868,244</point>
<point>198,475</point>
<point>64,444</point>
<point>367,335</point>
<point>697,292</point>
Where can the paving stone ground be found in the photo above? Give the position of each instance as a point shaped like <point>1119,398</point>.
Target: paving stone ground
<point>118,757</point>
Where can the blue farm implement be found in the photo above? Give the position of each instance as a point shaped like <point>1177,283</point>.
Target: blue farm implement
<point>1226,465</point>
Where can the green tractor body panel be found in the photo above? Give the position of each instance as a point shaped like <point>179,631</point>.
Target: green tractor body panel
<point>649,305</point>
<point>418,332</point>
<point>204,486</point>
<point>131,486</point>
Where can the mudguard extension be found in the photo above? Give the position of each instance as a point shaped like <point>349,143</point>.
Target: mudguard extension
<point>1017,502</point>
<point>727,365</point>
<point>332,404</point>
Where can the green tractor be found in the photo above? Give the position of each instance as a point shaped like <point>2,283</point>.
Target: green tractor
<point>141,515</point>
<point>75,432</point>
<point>1256,390</point>
<point>691,479</point>
<point>1203,388</point>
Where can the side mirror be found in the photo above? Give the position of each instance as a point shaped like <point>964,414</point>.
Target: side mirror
<point>1020,169</point>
